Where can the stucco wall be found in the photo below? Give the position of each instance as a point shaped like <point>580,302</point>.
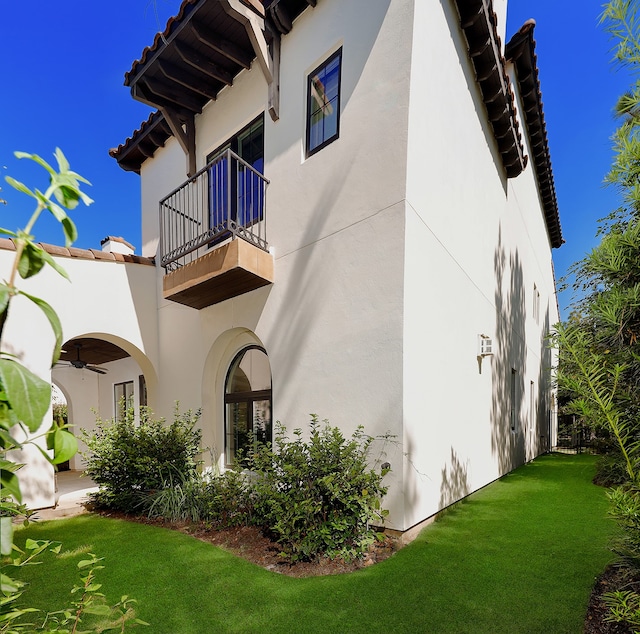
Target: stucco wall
<point>332,322</point>
<point>109,300</point>
<point>476,245</point>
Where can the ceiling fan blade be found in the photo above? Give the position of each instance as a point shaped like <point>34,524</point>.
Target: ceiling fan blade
<point>93,368</point>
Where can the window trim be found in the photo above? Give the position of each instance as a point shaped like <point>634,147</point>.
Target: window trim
<point>120,414</point>
<point>310,152</point>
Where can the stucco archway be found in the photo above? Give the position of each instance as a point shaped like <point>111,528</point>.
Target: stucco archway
<point>222,353</point>
<point>92,369</point>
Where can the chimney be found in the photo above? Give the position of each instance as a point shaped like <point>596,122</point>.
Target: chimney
<point>117,245</point>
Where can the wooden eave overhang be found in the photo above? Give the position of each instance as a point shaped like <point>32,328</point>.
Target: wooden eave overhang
<point>479,26</point>
<point>200,52</point>
<point>521,51</point>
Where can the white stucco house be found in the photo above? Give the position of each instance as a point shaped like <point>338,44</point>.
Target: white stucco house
<point>347,209</point>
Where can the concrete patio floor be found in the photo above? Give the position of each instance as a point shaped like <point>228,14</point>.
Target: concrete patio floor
<point>71,494</point>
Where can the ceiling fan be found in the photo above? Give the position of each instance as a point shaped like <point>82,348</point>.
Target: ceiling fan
<point>83,365</point>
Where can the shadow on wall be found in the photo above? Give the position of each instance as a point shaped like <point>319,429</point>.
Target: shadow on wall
<point>507,432</point>
<point>454,481</point>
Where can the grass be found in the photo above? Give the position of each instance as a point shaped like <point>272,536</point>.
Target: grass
<point>519,556</point>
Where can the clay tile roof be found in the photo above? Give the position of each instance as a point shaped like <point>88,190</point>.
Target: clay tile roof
<point>151,135</point>
<point>521,51</point>
<point>479,25</point>
<point>7,244</point>
<point>200,52</point>
<point>185,8</point>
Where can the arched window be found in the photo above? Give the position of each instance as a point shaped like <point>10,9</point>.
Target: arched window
<point>247,402</point>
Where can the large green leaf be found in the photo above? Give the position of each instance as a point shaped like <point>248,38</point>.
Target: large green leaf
<point>8,585</point>
<point>31,260</point>
<point>63,443</point>
<point>9,484</point>
<point>56,326</point>
<point>70,231</point>
<point>37,159</point>
<point>28,394</point>
<point>8,417</point>
<point>54,265</point>
<point>5,294</point>
<point>21,187</point>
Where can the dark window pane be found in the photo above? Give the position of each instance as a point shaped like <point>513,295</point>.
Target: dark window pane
<point>323,109</point>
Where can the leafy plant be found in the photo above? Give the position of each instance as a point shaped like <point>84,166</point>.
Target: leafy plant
<point>25,397</point>
<point>318,497</point>
<point>221,500</point>
<point>179,499</point>
<point>130,461</point>
<point>89,604</point>
<point>24,401</point>
<point>230,499</point>
<point>623,606</point>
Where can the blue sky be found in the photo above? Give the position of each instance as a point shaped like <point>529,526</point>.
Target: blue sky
<point>62,69</point>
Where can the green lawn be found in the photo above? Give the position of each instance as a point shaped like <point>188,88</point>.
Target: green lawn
<point>519,556</point>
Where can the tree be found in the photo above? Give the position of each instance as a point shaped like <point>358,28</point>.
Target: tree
<point>600,344</point>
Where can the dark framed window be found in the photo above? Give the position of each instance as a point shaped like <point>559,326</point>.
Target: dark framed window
<point>123,399</point>
<point>236,193</point>
<point>142,390</point>
<point>247,401</point>
<point>323,103</point>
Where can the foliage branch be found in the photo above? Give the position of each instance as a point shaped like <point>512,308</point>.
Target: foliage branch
<point>25,399</point>
<point>600,343</point>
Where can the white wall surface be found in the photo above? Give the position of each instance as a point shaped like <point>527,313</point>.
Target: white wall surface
<point>475,246</point>
<point>109,300</point>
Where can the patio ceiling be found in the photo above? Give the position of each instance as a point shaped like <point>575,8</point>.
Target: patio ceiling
<point>93,351</point>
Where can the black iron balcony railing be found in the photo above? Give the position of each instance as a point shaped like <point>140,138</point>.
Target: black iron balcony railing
<point>225,199</point>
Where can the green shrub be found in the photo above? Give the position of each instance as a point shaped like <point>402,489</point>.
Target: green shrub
<point>221,500</point>
<point>611,470</point>
<point>229,499</point>
<point>318,496</point>
<point>180,499</point>
<point>625,509</point>
<point>130,461</point>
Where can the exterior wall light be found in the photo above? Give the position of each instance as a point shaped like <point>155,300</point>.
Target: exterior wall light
<point>485,346</point>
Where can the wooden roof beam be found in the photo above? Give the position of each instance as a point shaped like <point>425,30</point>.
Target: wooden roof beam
<point>269,64</point>
<point>220,45</point>
<point>186,137</point>
<point>191,82</point>
<point>168,94</point>
<point>194,59</point>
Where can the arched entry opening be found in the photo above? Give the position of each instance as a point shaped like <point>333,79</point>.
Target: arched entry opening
<point>247,399</point>
<point>99,379</point>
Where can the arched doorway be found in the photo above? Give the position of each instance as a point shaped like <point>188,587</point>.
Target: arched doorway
<point>247,402</point>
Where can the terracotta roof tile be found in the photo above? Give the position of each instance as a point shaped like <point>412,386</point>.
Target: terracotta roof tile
<point>102,255</point>
<point>479,26</point>
<point>6,244</point>
<point>521,50</point>
<point>53,249</point>
<point>84,254</point>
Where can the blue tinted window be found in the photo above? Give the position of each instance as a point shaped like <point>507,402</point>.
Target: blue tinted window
<point>323,104</point>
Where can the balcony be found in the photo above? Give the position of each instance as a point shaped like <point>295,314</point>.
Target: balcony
<point>213,243</point>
